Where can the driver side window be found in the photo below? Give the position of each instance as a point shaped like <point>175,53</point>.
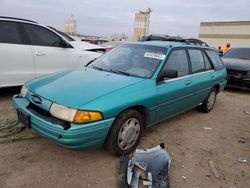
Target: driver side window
<point>178,61</point>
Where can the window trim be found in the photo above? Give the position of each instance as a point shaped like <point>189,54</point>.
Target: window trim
<point>187,76</point>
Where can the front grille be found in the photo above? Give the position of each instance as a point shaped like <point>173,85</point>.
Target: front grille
<point>36,110</point>
<point>32,107</point>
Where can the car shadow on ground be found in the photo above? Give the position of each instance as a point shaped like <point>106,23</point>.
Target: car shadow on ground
<point>238,91</point>
<point>9,91</point>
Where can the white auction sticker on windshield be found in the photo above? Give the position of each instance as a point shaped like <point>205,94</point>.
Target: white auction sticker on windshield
<point>154,55</point>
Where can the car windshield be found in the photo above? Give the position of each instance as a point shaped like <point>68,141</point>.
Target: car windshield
<point>239,53</point>
<point>131,60</point>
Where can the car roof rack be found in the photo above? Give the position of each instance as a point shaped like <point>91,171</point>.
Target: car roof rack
<point>188,41</point>
<point>13,18</point>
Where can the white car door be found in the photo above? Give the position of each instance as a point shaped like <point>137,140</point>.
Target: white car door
<point>16,65</point>
<point>51,52</point>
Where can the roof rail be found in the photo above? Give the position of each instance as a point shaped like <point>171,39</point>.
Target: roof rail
<point>189,41</point>
<point>13,18</point>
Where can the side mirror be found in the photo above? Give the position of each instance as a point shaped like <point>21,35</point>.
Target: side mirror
<point>64,44</point>
<point>167,74</point>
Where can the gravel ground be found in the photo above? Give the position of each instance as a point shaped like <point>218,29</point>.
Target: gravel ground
<point>192,139</point>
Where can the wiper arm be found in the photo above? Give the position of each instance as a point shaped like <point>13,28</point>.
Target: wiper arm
<point>98,68</point>
<point>90,62</point>
<point>120,72</point>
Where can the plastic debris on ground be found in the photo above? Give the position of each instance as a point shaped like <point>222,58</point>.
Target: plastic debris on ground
<point>146,168</point>
<point>242,160</point>
<point>214,169</point>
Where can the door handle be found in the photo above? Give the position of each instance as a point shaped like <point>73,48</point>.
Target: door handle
<point>40,54</point>
<point>188,82</point>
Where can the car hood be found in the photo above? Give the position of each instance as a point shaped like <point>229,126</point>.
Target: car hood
<point>79,87</point>
<point>236,64</point>
<point>84,45</point>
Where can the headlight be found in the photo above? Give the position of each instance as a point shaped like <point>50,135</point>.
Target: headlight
<point>24,91</point>
<point>73,115</point>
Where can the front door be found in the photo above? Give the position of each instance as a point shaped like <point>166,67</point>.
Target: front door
<point>175,95</point>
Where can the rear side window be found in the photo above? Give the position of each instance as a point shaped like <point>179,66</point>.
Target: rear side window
<point>178,61</point>
<point>41,36</point>
<point>207,62</point>
<point>9,33</point>
<point>215,59</point>
<point>197,61</point>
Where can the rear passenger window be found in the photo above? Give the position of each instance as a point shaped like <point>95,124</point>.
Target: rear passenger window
<point>216,60</point>
<point>207,62</point>
<point>41,36</point>
<point>178,61</point>
<point>197,61</point>
<point>9,33</point>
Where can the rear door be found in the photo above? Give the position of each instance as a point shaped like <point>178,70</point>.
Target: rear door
<point>48,53</point>
<point>175,95</point>
<point>16,65</point>
<point>202,74</point>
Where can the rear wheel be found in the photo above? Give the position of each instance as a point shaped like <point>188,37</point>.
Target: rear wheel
<point>125,133</point>
<point>209,102</point>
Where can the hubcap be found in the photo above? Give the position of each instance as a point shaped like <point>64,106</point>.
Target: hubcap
<point>211,100</point>
<point>128,134</point>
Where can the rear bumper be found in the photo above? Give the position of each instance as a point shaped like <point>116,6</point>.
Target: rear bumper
<point>222,86</point>
<point>84,136</point>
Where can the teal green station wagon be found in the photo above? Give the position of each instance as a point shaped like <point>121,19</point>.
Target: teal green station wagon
<point>110,101</point>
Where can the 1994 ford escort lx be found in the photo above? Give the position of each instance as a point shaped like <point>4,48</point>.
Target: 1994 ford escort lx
<point>114,98</point>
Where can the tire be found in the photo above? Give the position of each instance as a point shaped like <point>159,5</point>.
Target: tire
<point>125,133</point>
<point>209,102</point>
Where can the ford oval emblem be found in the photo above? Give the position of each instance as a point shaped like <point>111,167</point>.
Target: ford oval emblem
<point>36,99</point>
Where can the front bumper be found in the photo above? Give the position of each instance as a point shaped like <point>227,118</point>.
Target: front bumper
<point>83,136</point>
<point>239,82</point>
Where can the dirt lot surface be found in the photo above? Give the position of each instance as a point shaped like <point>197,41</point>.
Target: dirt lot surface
<point>192,139</point>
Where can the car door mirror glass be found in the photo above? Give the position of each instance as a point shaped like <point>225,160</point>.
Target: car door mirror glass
<point>167,74</point>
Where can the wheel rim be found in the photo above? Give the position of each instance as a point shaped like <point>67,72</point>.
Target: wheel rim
<point>129,134</point>
<point>211,100</point>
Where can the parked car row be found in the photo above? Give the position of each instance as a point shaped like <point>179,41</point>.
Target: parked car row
<point>29,50</point>
<point>113,98</point>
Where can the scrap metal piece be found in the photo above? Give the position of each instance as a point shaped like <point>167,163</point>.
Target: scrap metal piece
<point>130,172</point>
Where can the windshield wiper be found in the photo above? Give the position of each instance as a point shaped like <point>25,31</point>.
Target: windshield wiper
<point>120,72</point>
<point>90,62</point>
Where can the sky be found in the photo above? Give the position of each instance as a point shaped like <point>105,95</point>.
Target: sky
<point>109,17</point>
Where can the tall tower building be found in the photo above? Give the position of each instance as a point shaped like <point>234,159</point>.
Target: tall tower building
<point>141,25</point>
<point>70,26</point>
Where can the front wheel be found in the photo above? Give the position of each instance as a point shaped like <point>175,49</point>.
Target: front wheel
<point>125,133</point>
<point>209,102</point>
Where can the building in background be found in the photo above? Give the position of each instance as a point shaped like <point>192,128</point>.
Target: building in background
<point>70,26</point>
<point>215,34</point>
<point>141,25</point>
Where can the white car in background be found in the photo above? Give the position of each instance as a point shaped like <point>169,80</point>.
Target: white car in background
<point>29,50</point>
